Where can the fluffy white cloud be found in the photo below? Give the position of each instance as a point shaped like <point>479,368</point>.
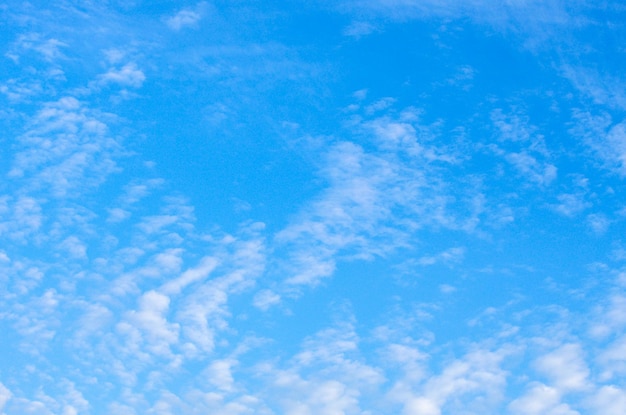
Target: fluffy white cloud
<point>183,18</point>
<point>150,319</point>
<point>421,406</point>
<point>265,299</point>
<point>5,395</point>
<point>565,367</point>
<point>541,399</point>
<point>609,400</point>
<point>128,75</point>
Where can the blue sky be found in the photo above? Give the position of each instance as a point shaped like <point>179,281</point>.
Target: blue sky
<point>333,207</point>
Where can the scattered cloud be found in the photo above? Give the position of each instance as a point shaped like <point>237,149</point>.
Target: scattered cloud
<point>529,166</point>
<point>571,204</point>
<point>610,400</point>
<point>149,322</point>
<point>541,399</point>
<point>5,395</point>
<point>66,150</point>
<point>603,88</point>
<point>598,223</point>
<point>565,367</point>
<point>50,49</point>
<point>186,18</point>
<point>265,299</point>
<point>359,29</point>
<point>449,255</point>
<point>127,76</point>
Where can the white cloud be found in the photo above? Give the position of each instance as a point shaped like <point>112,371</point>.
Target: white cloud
<point>170,260</point>
<point>204,312</point>
<point>613,359</point>
<point>17,90</point>
<point>361,94</point>
<point>114,55</point>
<point>359,29</point>
<point>523,147</point>
<point>117,215</point>
<point>541,400</point>
<point>571,204</point>
<point>421,406</point>
<point>137,191</point>
<point>405,136</point>
<point>352,208</point>
<point>219,373</point>
<point>565,367</point>
<point>94,320</point>
<point>65,151</point>
<point>75,402</point>
<point>325,377</point>
<point>151,320</point>
<point>381,104</point>
<point>477,377</point>
<point>536,21</point>
<point>5,395</point>
<point>605,137</point>
<point>605,89</point>
<point>191,276</point>
<point>309,267</point>
<point>74,247</point>
<point>328,398</point>
<point>541,173</point>
<point>34,407</point>
<point>128,75</point>
<point>265,299</point>
<point>377,199</point>
<point>450,255</point>
<point>598,223</point>
<point>23,217</point>
<point>49,49</point>
<point>609,400</point>
<point>447,289</point>
<point>158,223</point>
<point>611,316</point>
<point>36,318</point>
<point>516,127</point>
<point>4,257</point>
<point>184,18</point>
<point>616,146</point>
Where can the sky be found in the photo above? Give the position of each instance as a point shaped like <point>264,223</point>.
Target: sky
<point>365,207</point>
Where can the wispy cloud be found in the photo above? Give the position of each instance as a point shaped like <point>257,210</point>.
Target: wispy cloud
<point>604,137</point>
<point>147,328</point>
<point>541,399</point>
<point>449,255</point>
<point>602,87</point>
<point>49,49</point>
<point>5,395</point>
<point>529,167</point>
<point>66,150</point>
<point>265,299</point>
<point>128,75</point>
<point>359,29</point>
<point>536,19</point>
<point>524,148</point>
<point>376,200</point>
<point>185,18</point>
